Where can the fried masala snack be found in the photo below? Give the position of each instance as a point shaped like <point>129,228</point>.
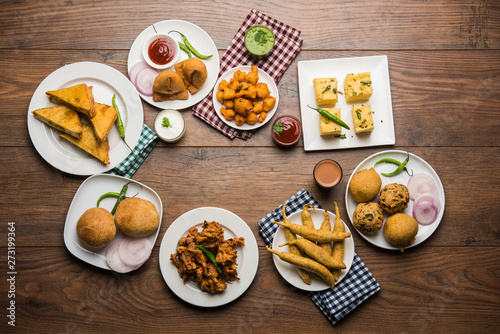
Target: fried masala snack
<point>193,263</point>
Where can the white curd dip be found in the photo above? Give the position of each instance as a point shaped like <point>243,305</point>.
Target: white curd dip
<point>176,125</point>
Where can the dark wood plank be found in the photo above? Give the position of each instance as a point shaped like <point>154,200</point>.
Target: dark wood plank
<point>420,291</point>
<point>446,24</point>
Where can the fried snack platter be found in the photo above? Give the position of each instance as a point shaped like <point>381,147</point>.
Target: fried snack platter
<point>380,101</point>
<point>288,272</point>
<point>106,81</point>
<point>263,77</point>
<point>234,226</point>
<point>86,197</point>
<point>415,165</point>
<point>198,38</point>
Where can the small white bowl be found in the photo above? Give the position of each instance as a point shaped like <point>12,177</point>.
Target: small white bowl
<point>151,63</point>
<point>177,129</point>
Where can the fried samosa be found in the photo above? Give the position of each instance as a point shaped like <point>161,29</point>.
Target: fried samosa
<point>169,86</point>
<point>193,73</point>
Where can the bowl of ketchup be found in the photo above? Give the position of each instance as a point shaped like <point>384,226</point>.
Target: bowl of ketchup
<point>161,51</point>
<point>286,130</point>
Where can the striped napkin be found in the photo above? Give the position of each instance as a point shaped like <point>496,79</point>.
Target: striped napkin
<point>134,160</point>
<point>357,286</point>
<point>287,46</point>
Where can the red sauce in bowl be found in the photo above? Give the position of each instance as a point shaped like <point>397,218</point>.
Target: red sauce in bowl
<point>286,130</point>
<point>161,51</point>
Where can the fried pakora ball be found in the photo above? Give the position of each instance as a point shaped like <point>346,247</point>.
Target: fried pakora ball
<point>241,106</point>
<point>365,185</point>
<point>228,94</point>
<point>262,117</point>
<point>228,114</point>
<point>252,77</point>
<point>400,230</point>
<point>223,84</point>
<point>251,118</point>
<point>368,218</point>
<point>257,107</point>
<point>220,96</point>
<point>394,198</point>
<point>239,120</point>
<point>262,90</point>
<point>268,103</point>
<point>229,104</point>
<point>239,75</point>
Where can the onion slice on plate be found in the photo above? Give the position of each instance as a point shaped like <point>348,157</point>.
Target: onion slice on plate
<point>134,251</point>
<point>114,260</point>
<point>145,79</point>
<point>421,183</point>
<point>135,69</point>
<point>425,212</point>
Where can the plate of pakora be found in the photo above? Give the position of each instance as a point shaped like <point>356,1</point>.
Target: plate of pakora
<point>198,38</point>
<point>94,151</point>
<point>415,165</point>
<point>191,273</point>
<point>288,271</point>
<point>245,97</point>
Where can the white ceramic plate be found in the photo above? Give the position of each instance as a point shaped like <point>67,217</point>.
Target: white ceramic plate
<point>288,271</point>
<point>418,165</point>
<point>380,101</point>
<point>106,81</point>
<point>86,197</point>
<point>263,77</point>
<point>248,256</point>
<point>199,39</point>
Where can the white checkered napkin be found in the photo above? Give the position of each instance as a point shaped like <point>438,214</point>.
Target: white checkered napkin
<point>357,286</point>
<point>131,164</point>
<point>287,46</point>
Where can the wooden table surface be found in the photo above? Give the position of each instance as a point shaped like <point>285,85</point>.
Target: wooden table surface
<point>444,64</point>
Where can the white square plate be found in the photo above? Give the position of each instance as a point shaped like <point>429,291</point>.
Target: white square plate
<point>380,101</point>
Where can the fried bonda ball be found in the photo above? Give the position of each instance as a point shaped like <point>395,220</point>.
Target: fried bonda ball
<point>228,94</point>
<point>262,117</point>
<point>257,107</point>
<point>223,84</point>
<point>239,75</point>
<point>229,104</point>
<point>220,96</point>
<point>262,90</point>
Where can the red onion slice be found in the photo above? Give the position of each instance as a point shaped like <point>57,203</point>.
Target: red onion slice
<point>134,251</point>
<point>114,260</point>
<point>430,198</point>
<point>135,69</point>
<point>421,183</point>
<point>145,80</point>
<point>425,212</point>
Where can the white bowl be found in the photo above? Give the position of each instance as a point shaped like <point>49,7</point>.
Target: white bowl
<point>177,128</point>
<point>151,63</point>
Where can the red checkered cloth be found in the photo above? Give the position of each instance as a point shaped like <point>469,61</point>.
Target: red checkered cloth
<point>287,46</point>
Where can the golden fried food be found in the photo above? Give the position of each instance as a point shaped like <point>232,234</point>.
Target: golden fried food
<point>365,185</point>
<point>394,198</point>
<point>368,218</point>
<point>400,230</point>
<point>78,97</point>
<point>103,120</point>
<point>61,118</point>
<point>228,114</point>
<point>169,86</point>
<point>96,227</point>
<point>246,96</point>
<point>89,143</point>
<point>194,264</point>
<point>193,72</point>
<point>137,217</point>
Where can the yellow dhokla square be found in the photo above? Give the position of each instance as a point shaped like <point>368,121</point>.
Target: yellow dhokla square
<point>362,118</point>
<point>358,87</point>
<point>328,127</point>
<point>325,91</point>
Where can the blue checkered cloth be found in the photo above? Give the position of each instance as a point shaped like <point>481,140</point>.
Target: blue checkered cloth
<point>133,161</point>
<point>357,286</point>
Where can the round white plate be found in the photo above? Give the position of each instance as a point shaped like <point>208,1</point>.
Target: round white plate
<point>86,197</point>
<point>263,77</point>
<point>418,165</point>
<point>200,40</point>
<point>106,81</point>
<point>288,271</point>
<point>248,256</point>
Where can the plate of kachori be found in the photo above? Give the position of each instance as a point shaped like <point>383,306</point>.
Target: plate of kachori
<point>139,197</point>
<point>199,39</point>
<point>400,181</point>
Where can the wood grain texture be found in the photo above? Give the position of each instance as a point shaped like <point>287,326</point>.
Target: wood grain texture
<point>444,66</point>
